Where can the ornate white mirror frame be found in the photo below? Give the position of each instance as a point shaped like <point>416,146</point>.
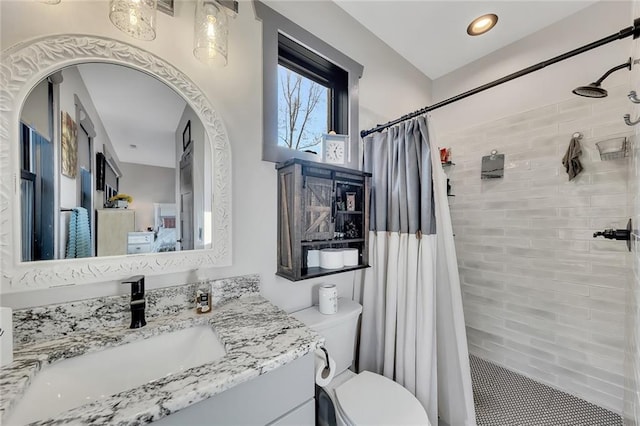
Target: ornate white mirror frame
<point>21,68</point>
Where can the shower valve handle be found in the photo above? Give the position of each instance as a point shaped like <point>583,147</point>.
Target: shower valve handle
<point>617,234</point>
<point>614,234</point>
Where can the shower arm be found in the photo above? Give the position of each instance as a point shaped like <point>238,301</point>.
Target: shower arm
<point>614,69</point>
<point>633,31</point>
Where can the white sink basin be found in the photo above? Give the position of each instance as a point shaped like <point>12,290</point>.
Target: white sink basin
<point>86,378</point>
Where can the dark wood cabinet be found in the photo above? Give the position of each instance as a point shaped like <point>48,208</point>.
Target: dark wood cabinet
<point>320,207</point>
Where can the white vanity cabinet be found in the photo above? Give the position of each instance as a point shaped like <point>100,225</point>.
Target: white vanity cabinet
<point>284,396</point>
<point>139,242</point>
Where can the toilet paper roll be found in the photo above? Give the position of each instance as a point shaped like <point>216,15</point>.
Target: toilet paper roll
<point>313,258</point>
<point>350,257</point>
<point>328,299</point>
<point>324,375</point>
<point>331,259</point>
<point>6,336</point>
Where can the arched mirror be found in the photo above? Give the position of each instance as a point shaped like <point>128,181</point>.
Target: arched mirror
<point>113,162</point>
<point>118,165</point>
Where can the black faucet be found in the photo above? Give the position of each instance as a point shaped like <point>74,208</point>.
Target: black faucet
<point>137,303</point>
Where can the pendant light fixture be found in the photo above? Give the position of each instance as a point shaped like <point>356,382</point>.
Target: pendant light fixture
<point>134,17</point>
<point>211,33</point>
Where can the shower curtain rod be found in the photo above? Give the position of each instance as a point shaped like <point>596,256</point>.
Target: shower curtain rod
<point>623,33</point>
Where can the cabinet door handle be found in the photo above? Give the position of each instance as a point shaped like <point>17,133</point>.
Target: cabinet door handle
<point>334,210</point>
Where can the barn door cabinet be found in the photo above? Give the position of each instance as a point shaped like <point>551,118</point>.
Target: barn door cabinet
<point>320,206</point>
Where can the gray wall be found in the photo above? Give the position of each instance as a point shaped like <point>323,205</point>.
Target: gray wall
<point>147,185</point>
<point>202,174</point>
<point>35,112</point>
<point>389,88</point>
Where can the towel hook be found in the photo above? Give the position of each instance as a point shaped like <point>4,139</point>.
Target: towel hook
<point>633,97</point>
<point>627,120</point>
<point>577,135</point>
<point>494,152</point>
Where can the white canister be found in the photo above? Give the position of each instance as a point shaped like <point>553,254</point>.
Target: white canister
<point>313,258</point>
<point>331,259</point>
<point>328,298</point>
<point>350,257</point>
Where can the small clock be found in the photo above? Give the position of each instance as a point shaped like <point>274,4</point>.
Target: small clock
<point>334,147</point>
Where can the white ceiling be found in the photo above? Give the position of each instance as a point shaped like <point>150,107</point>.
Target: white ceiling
<point>432,35</point>
<point>137,109</point>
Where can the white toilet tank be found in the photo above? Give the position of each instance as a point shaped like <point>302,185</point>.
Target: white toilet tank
<point>338,329</point>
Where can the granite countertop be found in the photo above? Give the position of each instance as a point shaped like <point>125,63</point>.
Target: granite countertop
<point>258,337</point>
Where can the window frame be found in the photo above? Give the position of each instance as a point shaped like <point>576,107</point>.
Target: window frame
<point>274,26</point>
<point>308,64</point>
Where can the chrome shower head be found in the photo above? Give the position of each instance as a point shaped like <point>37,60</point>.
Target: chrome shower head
<point>592,90</point>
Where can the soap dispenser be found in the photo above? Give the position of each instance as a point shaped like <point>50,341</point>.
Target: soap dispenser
<point>203,297</point>
<point>203,302</point>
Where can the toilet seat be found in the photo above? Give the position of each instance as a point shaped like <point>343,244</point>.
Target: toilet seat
<point>372,399</point>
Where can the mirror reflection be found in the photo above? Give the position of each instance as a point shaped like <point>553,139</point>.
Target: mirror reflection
<point>113,162</point>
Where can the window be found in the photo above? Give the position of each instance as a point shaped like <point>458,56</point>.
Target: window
<point>310,88</point>
<point>303,114</point>
<point>312,97</point>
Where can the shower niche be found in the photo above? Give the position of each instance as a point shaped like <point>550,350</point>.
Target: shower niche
<point>321,207</point>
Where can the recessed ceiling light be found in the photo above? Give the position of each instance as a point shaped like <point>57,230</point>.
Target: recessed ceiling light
<point>482,24</point>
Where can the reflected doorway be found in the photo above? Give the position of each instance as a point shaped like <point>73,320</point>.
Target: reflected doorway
<point>36,193</point>
<point>186,199</point>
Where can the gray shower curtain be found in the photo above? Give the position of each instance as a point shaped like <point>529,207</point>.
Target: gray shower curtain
<point>412,321</point>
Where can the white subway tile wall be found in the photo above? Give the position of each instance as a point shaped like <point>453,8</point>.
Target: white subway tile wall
<point>541,296</point>
<point>632,347</point>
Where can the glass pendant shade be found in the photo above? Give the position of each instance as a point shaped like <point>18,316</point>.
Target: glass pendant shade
<point>211,33</point>
<point>135,17</point>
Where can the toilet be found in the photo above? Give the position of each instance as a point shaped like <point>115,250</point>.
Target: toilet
<point>356,399</point>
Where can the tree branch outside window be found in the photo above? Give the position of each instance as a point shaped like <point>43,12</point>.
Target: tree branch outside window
<point>302,111</point>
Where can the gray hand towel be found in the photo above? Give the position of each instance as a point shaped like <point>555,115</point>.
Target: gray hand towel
<point>570,160</point>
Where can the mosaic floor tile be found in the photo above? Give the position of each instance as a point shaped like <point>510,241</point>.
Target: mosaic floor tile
<point>505,398</point>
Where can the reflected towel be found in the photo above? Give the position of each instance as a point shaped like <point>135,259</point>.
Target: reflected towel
<point>570,160</point>
<point>79,239</point>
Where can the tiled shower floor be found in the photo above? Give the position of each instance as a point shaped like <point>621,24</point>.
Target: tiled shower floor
<point>504,398</point>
